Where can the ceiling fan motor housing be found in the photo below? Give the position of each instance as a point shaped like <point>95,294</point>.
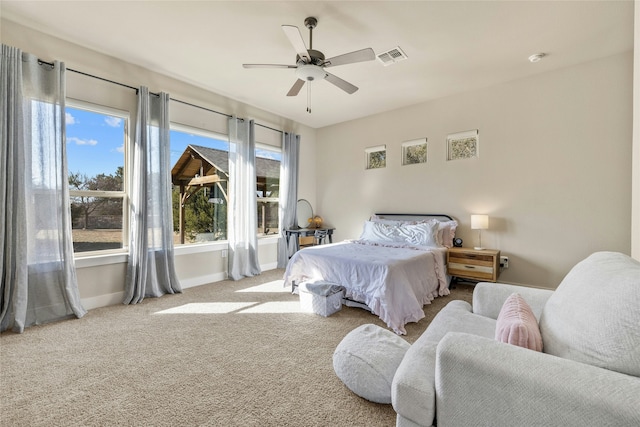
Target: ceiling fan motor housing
<point>313,70</point>
<point>317,58</point>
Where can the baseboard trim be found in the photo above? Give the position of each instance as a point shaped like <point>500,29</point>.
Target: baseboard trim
<point>270,266</point>
<point>102,300</point>
<point>202,280</point>
<point>117,297</point>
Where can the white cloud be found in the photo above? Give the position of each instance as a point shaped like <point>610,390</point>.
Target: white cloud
<point>265,154</point>
<point>79,141</point>
<point>120,149</point>
<point>113,121</point>
<point>69,119</point>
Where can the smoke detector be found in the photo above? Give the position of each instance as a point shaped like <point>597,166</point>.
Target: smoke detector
<point>537,57</point>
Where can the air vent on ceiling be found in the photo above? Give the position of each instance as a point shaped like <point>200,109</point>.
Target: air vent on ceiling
<point>392,56</point>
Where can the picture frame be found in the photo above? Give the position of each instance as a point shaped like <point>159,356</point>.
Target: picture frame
<point>463,145</point>
<point>376,157</point>
<point>414,152</point>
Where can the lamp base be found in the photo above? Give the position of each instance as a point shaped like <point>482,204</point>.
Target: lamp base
<point>477,248</point>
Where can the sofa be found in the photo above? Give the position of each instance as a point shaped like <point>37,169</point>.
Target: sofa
<point>588,374</point>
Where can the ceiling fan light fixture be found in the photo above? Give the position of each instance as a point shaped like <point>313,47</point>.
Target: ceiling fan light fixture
<point>309,72</point>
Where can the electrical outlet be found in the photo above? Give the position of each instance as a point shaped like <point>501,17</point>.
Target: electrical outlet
<point>504,262</point>
<point>224,253</point>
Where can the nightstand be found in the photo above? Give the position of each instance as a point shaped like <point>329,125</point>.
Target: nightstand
<point>482,265</point>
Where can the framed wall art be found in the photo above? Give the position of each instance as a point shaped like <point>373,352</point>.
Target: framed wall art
<point>462,145</point>
<point>375,157</point>
<point>414,152</point>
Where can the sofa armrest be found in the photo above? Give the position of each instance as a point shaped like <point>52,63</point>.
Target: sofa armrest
<point>480,381</point>
<point>413,392</point>
<point>488,298</point>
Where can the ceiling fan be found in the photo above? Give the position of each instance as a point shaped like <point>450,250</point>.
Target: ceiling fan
<point>311,64</point>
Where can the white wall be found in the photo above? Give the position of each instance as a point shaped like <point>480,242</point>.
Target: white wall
<point>101,280</point>
<point>554,170</point>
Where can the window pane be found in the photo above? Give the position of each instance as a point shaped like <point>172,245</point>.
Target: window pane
<point>268,190</point>
<point>96,223</point>
<point>200,173</point>
<point>95,150</point>
<point>96,143</point>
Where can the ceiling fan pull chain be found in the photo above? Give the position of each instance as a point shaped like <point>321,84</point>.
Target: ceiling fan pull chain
<point>309,97</point>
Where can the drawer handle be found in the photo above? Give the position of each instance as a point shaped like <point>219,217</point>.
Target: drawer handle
<point>469,266</point>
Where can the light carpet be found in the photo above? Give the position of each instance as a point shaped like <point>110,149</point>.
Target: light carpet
<point>224,354</point>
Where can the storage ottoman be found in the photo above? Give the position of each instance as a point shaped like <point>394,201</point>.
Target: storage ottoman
<point>321,298</point>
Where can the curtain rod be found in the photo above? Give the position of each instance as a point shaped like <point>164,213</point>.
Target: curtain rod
<point>40,61</point>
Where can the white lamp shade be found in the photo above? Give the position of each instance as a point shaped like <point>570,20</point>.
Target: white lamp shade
<point>479,222</point>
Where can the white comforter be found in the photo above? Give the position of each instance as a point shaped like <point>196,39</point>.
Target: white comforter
<point>394,281</point>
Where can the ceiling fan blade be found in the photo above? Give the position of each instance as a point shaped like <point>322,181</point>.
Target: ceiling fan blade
<point>349,58</point>
<point>268,66</point>
<point>295,89</point>
<point>294,36</point>
<point>342,84</point>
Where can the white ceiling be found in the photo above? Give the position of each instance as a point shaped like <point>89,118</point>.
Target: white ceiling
<point>452,46</point>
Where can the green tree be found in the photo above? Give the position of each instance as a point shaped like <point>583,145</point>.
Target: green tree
<point>84,206</point>
<point>416,154</point>
<point>200,216</point>
<point>377,159</point>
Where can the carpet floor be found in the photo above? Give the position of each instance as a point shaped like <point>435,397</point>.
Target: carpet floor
<point>223,354</point>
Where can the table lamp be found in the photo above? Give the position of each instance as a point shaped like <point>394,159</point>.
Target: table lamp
<point>479,222</point>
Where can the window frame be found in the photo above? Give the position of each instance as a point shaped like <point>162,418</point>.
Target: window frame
<point>205,133</point>
<point>369,152</point>
<point>275,149</point>
<point>125,194</point>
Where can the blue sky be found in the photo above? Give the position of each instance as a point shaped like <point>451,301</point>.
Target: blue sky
<point>95,143</point>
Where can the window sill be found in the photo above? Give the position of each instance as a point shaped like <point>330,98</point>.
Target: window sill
<point>196,248</point>
<point>179,250</point>
<point>102,259</point>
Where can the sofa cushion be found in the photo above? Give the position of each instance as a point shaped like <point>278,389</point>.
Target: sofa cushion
<point>593,315</point>
<point>367,359</point>
<point>457,316</point>
<point>517,325</point>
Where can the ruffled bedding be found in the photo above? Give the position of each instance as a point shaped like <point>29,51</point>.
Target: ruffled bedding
<point>395,280</point>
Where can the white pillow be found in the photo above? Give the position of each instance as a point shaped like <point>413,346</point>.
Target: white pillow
<point>379,232</point>
<point>422,234</point>
<point>446,232</point>
<point>446,229</point>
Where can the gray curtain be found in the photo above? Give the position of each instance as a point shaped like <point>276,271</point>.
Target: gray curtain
<point>151,269</point>
<point>37,271</point>
<point>288,193</point>
<point>242,227</point>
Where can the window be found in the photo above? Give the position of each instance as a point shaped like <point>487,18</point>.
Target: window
<point>268,160</point>
<point>414,152</point>
<point>96,146</point>
<point>199,174</point>
<point>376,157</point>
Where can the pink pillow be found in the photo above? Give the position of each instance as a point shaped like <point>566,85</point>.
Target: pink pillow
<point>518,325</point>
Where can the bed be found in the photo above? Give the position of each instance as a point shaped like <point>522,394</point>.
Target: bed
<point>396,266</point>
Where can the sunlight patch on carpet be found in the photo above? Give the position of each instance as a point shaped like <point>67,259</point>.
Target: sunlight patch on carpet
<point>207,308</point>
<point>276,286</point>
<point>274,307</point>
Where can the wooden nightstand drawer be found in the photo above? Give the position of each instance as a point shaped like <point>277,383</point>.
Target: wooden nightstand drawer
<point>480,265</point>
